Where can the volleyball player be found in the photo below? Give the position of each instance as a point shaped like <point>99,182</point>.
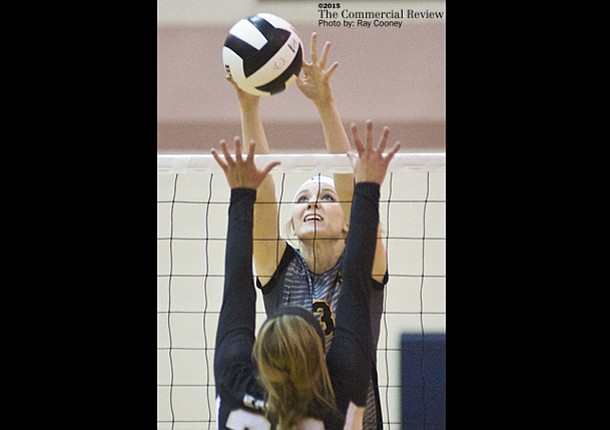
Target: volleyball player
<point>309,273</point>
<point>283,373</point>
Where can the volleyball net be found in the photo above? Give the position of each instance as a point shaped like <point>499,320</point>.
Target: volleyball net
<point>192,207</point>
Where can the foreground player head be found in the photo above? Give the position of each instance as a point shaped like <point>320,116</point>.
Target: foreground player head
<point>290,356</point>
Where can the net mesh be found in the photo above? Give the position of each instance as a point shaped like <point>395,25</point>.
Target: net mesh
<point>192,206</point>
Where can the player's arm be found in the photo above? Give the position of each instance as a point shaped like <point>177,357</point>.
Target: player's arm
<point>314,83</point>
<point>349,356</point>
<point>354,418</point>
<point>239,297</point>
<point>268,249</point>
<point>233,368</point>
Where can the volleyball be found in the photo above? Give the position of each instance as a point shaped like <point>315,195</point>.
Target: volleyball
<point>263,54</point>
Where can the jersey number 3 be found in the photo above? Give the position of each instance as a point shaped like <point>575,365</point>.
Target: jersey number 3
<point>325,314</point>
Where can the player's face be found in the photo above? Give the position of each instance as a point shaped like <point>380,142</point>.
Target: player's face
<point>317,213</point>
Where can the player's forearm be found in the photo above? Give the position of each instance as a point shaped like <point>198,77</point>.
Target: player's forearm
<point>239,297</point>
<point>335,136</point>
<point>359,255</point>
<point>252,127</point>
<point>349,359</point>
<point>337,142</point>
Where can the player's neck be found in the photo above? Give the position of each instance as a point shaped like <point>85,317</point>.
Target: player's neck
<point>322,255</point>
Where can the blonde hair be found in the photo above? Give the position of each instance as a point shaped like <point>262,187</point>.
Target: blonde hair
<point>292,368</point>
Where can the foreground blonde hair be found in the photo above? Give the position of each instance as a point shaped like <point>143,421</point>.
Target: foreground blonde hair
<point>292,368</point>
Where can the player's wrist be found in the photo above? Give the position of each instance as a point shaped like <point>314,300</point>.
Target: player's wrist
<point>368,186</point>
<point>325,103</point>
<point>251,104</point>
<point>243,193</point>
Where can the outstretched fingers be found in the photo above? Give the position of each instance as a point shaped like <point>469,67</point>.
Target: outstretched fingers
<point>330,71</point>
<point>383,140</point>
<point>228,159</point>
<point>321,61</point>
<point>241,173</point>
<point>225,150</point>
<point>237,146</point>
<point>216,156</point>
<point>324,59</point>
<point>369,135</point>
<point>368,148</point>
<point>357,139</point>
<point>251,149</point>
<point>371,164</point>
<point>250,160</point>
<point>392,152</point>
<point>270,167</point>
<point>313,53</point>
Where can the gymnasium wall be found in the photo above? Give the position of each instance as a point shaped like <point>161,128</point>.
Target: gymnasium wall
<point>394,76</point>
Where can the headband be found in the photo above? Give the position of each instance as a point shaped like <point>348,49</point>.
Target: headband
<point>319,179</point>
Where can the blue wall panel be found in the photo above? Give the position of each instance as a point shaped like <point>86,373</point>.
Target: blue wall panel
<point>423,381</point>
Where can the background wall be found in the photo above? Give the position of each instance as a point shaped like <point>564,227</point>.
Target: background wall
<point>394,76</point>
